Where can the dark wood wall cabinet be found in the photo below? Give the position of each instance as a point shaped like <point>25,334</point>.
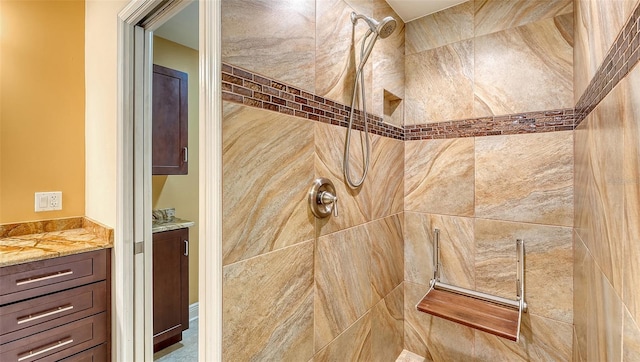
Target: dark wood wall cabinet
<point>170,287</point>
<point>56,309</point>
<point>170,122</point>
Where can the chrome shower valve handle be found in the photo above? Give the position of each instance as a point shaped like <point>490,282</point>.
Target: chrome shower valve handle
<point>322,198</point>
<point>327,198</point>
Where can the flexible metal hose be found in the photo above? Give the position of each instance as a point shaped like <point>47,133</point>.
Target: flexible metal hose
<point>364,55</point>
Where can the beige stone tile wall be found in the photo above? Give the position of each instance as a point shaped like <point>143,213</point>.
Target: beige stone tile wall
<point>296,287</point>
<point>526,178</point>
<point>597,24</point>
<point>262,142</point>
<point>607,226</point>
<point>314,46</point>
<point>607,164</point>
<point>256,37</point>
<point>494,16</point>
<point>268,315</point>
<point>517,186</point>
<point>481,192</point>
<point>489,57</point>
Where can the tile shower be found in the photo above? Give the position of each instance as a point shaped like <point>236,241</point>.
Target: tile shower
<point>486,152</point>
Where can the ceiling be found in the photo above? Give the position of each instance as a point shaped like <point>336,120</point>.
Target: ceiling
<point>183,27</point>
<point>413,9</point>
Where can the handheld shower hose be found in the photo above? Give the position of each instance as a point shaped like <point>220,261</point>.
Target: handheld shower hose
<point>376,29</point>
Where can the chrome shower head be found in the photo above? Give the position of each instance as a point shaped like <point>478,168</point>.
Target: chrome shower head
<point>386,27</point>
<point>383,28</point>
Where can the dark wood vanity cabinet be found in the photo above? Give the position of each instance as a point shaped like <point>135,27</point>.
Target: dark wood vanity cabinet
<point>170,122</point>
<point>56,309</point>
<point>170,287</point>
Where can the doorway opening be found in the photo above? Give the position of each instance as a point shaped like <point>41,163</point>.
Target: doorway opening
<point>133,272</point>
<point>175,185</point>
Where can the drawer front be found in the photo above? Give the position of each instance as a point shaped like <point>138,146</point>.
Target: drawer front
<point>95,354</point>
<point>24,318</point>
<point>57,343</point>
<point>33,279</point>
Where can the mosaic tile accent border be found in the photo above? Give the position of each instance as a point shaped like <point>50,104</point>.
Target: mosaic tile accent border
<point>530,122</point>
<point>244,87</point>
<point>622,57</point>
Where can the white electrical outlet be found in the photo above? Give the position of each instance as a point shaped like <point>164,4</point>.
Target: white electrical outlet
<point>48,201</point>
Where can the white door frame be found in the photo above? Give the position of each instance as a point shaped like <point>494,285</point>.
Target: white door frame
<point>132,332</point>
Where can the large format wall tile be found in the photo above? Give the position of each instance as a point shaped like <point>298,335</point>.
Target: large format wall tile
<point>343,290</point>
<point>541,339</point>
<point>582,269</point>
<point>254,36</point>
<point>388,67</point>
<point>577,357</point>
<point>441,85</point>
<point>380,195</point>
<point>436,339</point>
<point>602,201</point>
<point>387,255</point>
<point>352,204</point>
<point>597,26</point>
<point>439,176</point>
<point>457,249</point>
<point>338,52</point>
<point>264,209</point>
<point>387,327</point>
<point>598,310</point>
<point>537,185</point>
<point>496,15</point>
<point>582,179</point>
<point>268,313</point>
<point>548,267</point>
<point>583,70</point>
<point>528,68</point>
<point>352,345</point>
<point>442,28</point>
<point>383,190</point>
<point>630,339</point>
<point>631,176</point>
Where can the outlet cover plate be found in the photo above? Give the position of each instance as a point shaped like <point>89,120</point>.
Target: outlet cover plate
<point>48,201</point>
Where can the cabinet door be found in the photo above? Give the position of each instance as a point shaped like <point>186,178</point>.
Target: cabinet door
<point>170,287</point>
<point>170,122</point>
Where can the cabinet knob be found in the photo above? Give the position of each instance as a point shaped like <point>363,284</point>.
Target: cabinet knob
<point>186,154</point>
<point>186,248</point>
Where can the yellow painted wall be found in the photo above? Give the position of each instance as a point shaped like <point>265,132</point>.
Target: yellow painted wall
<point>181,191</point>
<point>41,107</point>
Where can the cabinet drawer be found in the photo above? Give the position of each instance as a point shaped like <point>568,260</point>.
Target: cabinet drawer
<point>33,279</point>
<point>95,354</point>
<point>34,315</point>
<point>57,343</point>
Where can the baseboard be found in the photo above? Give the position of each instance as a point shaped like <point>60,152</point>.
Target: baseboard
<point>193,311</point>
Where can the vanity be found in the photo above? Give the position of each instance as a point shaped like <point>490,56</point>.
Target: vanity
<point>170,278</point>
<point>55,291</point>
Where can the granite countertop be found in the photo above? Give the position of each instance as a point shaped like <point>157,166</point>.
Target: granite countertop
<point>168,225</point>
<point>33,241</point>
<point>165,220</point>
